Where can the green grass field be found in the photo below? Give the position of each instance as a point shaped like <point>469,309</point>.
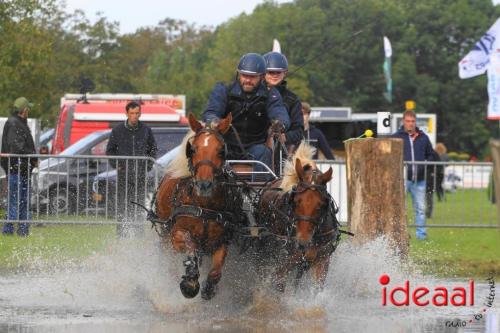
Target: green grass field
<point>457,252</point>
<point>53,244</point>
<point>466,207</point>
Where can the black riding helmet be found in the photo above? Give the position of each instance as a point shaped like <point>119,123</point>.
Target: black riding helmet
<point>252,64</point>
<point>275,62</point>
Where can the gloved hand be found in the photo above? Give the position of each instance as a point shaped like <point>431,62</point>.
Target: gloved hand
<point>213,123</point>
<point>277,127</point>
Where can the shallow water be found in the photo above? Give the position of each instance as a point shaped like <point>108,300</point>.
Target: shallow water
<point>123,290</point>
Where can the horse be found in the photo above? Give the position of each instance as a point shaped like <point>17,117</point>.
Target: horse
<point>297,211</point>
<point>199,208</point>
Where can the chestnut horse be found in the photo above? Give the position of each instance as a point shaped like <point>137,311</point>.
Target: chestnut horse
<point>199,209</point>
<point>299,212</point>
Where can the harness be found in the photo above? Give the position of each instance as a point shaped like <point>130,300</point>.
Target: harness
<point>225,218</point>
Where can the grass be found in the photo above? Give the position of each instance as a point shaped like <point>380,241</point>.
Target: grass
<point>467,207</point>
<point>458,252</point>
<point>53,244</point>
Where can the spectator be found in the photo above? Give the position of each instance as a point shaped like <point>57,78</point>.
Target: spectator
<point>417,147</point>
<point>17,139</point>
<point>314,136</point>
<point>131,138</point>
<point>442,152</point>
<point>434,183</point>
<point>254,109</point>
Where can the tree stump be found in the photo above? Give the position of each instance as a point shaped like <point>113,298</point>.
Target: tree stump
<point>376,192</point>
<point>495,151</point>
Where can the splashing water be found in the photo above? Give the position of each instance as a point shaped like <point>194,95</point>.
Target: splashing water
<point>130,287</point>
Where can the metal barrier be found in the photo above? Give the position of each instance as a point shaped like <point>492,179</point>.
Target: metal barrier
<point>88,190</point>
<point>466,199</point>
<point>78,189</point>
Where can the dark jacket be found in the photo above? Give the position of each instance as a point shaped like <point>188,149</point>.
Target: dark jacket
<point>295,133</point>
<point>17,139</point>
<point>131,141</point>
<point>317,139</point>
<point>252,113</point>
<point>419,149</point>
<point>435,174</point>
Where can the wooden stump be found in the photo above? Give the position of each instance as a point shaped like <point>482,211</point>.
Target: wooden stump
<point>376,193</point>
<point>495,151</point>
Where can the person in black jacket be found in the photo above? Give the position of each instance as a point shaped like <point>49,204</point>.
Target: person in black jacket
<point>17,139</point>
<point>131,138</point>
<point>314,136</point>
<point>276,70</point>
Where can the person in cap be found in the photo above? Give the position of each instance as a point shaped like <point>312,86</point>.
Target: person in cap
<point>254,109</point>
<point>276,71</point>
<point>17,139</point>
<point>314,136</point>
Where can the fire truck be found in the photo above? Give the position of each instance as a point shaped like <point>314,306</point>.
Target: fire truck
<point>81,115</point>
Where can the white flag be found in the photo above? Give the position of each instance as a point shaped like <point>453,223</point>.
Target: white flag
<point>494,86</point>
<point>387,47</point>
<point>477,60</point>
<point>276,46</point>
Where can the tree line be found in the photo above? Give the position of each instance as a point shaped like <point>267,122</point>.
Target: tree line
<point>46,52</point>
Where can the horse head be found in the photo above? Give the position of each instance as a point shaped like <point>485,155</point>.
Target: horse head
<point>206,153</point>
<point>309,200</point>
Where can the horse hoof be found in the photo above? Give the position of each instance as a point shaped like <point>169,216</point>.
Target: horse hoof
<point>279,286</point>
<point>189,288</point>
<point>208,290</point>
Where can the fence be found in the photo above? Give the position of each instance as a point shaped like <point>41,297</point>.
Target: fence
<point>86,190</point>
<point>78,189</point>
<point>466,200</point>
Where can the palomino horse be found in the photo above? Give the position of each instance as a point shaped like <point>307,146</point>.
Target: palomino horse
<point>199,208</point>
<point>298,211</point>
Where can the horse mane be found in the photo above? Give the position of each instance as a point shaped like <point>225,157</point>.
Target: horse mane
<point>178,167</point>
<point>304,153</point>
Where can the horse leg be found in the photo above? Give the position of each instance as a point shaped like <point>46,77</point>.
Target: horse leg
<point>209,285</point>
<point>320,271</point>
<point>286,265</point>
<point>182,242</point>
<point>301,269</point>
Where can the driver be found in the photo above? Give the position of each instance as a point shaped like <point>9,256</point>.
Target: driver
<point>254,109</point>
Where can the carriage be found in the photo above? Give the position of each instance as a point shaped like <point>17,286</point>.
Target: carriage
<point>205,202</point>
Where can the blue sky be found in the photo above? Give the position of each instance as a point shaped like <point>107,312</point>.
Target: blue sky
<point>133,14</point>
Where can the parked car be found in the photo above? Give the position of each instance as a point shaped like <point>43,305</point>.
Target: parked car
<point>105,185</point>
<point>45,141</point>
<point>64,186</point>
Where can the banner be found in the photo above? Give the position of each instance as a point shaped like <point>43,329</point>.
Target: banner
<point>494,86</point>
<point>476,62</point>
<point>387,69</point>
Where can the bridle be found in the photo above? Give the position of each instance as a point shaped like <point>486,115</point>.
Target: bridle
<point>190,151</point>
<point>322,212</point>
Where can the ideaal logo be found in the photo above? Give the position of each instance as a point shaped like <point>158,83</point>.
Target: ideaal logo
<point>439,296</point>
<point>423,296</point>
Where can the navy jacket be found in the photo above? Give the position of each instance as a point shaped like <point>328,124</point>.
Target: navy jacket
<point>419,149</point>
<point>317,139</point>
<point>252,112</point>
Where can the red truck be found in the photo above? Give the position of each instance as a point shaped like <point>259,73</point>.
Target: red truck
<point>81,115</point>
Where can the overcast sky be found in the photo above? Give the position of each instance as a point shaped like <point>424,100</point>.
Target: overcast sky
<point>134,14</point>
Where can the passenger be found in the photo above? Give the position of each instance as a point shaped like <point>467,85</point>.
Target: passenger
<point>276,71</point>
